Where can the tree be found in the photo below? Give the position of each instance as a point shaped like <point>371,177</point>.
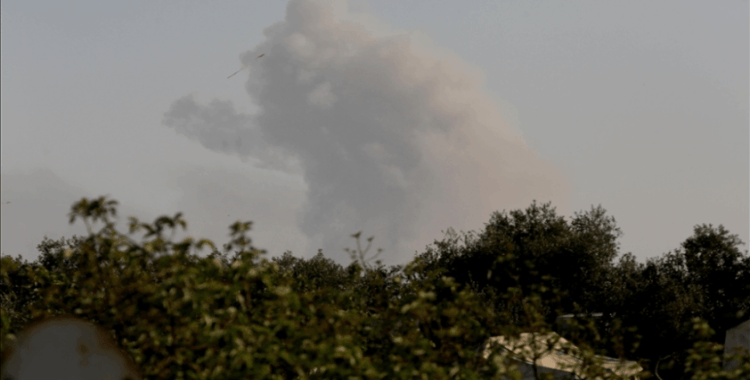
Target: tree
<point>707,278</point>
<point>179,315</point>
<point>316,273</point>
<point>526,249</point>
<point>716,265</point>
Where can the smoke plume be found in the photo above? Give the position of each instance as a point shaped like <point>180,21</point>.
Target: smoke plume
<point>392,136</point>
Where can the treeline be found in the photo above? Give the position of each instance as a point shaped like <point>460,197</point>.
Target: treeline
<point>652,304</point>
<point>574,268</point>
<point>236,314</point>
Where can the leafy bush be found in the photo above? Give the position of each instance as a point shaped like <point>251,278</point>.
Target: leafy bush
<point>182,316</point>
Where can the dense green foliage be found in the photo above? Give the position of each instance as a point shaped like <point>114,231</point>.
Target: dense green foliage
<point>236,314</point>
<point>654,304</point>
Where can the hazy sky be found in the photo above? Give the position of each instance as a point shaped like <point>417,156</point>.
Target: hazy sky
<point>399,118</point>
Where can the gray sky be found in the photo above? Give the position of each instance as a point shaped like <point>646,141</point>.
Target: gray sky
<point>399,118</point>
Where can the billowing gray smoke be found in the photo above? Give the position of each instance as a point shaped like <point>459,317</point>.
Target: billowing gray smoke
<point>392,136</point>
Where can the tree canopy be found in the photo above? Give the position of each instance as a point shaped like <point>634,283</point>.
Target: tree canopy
<point>189,310</point>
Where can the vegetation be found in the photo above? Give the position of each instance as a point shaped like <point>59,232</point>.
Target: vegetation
<point>233,313</point>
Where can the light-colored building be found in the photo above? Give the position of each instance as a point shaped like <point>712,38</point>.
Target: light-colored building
<point>66,349</point>
<point>737,338</point>
<point>551,353</point>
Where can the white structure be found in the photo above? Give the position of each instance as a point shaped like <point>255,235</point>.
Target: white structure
<point>66,349</point>
<point>737,338</point>
<point>551,353</point>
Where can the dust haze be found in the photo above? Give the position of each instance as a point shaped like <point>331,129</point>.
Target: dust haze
<point>392,135</point>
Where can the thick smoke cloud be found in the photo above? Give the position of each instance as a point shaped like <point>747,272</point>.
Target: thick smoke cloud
<point>219,127</point>
<point>391,135</point>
